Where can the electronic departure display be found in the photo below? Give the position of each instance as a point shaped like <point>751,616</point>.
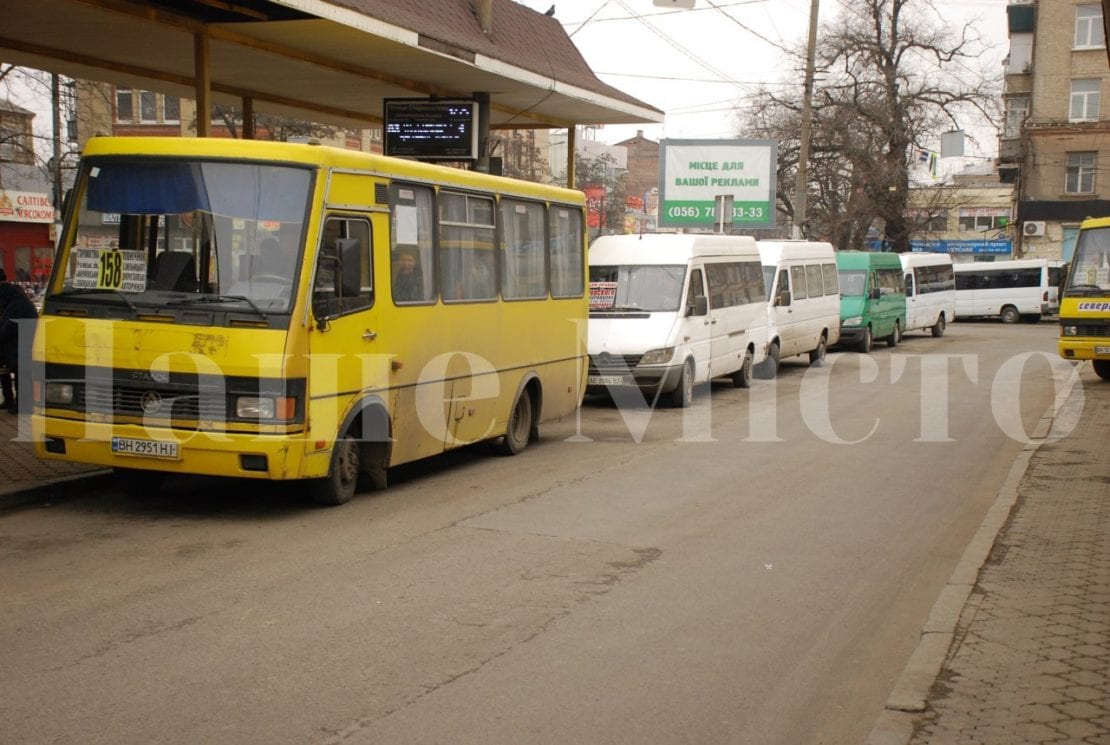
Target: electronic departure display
<point>430,129</point>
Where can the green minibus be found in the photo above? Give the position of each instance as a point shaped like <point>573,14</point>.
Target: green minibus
<point>872,298</point>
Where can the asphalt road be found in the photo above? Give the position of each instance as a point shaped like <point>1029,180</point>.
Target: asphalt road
<point>753,570</point>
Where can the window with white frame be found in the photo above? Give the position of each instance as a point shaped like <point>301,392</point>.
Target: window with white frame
<point>1089,33</point>
<point>1084,100</point>
<point>1017,108</point>
<point>1080,176</point>
<point>148,107</point>
<point>171,109</point>
<point>125,105</point>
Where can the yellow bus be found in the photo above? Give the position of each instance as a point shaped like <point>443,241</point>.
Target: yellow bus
<point>291,311</point>
<point>1085,303</point>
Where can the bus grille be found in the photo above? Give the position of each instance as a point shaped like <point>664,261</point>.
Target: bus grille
<point>604,363</point>
<point>152,403</point>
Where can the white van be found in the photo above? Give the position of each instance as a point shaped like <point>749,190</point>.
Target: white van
<point>1009,290</point>
<point>671,311</point>
<point>803,301</point>
<point>930,291</point>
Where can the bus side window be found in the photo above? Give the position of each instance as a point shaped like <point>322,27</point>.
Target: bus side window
<point>344,268</point>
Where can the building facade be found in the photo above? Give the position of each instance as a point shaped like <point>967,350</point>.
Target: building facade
<point>1055,142</point>
<point>26,203</point>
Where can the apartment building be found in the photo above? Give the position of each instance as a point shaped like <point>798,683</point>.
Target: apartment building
<point>1055,142</point>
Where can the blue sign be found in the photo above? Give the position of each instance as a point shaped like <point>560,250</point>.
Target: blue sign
<point>944,246</point>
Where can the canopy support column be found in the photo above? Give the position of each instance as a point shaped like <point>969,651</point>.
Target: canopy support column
<point>203,74</point>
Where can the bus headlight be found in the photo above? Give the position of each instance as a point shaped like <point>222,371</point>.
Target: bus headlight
<point>657,356</point>
<point>281,408</point>
<point>59,393</point>
<point>1071,331</point>
<point>852,321</point>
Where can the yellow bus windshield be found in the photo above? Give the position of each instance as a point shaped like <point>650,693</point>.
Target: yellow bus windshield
<point>174,233</point>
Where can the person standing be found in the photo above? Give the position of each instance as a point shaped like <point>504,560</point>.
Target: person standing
<point>15,309</point>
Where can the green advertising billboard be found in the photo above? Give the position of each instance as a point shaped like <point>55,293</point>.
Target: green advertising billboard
<point>693,173</point>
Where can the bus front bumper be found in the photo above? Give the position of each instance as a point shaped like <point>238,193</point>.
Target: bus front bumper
<point>1072,348</point>
<point>258,456</point>
<point>653,380</point>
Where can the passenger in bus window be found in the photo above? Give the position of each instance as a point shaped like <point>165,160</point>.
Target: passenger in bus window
<point>408,280</point>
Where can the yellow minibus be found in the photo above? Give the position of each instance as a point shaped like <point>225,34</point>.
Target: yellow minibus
<point>1085,302</point>
<point>291,311</point>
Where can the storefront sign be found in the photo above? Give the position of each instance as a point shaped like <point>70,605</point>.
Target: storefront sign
<point>25,206</point>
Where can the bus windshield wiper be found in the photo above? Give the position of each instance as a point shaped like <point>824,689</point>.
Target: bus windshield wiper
<point>96,291</point>
<point>221,299</point>
<point>1084,290</point>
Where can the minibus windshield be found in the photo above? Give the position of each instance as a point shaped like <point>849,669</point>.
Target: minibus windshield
<point>648,287</point>
<point>1090,272</point>
<point>178,233</point>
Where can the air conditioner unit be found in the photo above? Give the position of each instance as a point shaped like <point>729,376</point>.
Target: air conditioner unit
<point>1032,227</point>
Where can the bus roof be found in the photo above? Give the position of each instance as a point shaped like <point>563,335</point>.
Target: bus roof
<point>924,259</point>
<point>322,156</point>
<point>986,266</point>
<point>866,260</point>
<point>669,248</point>
<point>773,251</point>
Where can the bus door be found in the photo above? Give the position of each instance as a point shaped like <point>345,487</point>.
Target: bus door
<point>346,359</point>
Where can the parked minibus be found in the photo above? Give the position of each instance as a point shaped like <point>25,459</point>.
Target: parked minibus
<point>285,311</point>
<point>872,298</point>
<point>1008,290</point>
<point>803,301</point>
<point>672,311</point>
<point>930,291</point>
<point>1085,305</point>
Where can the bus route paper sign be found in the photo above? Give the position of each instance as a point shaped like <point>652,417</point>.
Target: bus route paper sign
<point>693,173</point>
<point>110,269</point>
<point>602,295</point>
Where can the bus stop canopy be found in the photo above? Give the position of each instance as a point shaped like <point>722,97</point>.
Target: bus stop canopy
<point>329,61</point>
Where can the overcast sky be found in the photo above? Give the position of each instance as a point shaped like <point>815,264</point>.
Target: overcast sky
<point>695,64</point>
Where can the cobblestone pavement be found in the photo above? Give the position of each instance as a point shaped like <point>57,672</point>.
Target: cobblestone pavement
<point>20,470</point>
<point>1030,661</point>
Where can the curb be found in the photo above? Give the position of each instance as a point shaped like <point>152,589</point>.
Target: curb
<point>55,490</point>
<point>909,697</point>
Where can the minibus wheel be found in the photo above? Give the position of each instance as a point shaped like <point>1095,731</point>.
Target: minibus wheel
<point>1102,368</point>
<point>742,378</point>
<point>866,342</point>
<point>769,367</point>
<point>137,483</point>
<point>519,428</point>
<point>683,393</point>
<point>817,356</point>
<point>1009,314</point>
<point>339,485</point>
<point>895,335</point>
<point>938,327</point>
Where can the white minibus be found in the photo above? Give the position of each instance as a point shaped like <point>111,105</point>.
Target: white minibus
<point>1009,290</point>
<point>803,301</point>
<point>671,311</point>
<point>930,291</point>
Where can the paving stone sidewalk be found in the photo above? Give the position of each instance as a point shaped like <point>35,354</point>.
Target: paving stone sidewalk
<point>1030,661</point>
<point>25,478</point>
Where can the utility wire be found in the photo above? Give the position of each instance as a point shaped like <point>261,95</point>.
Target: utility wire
<point>675,44</point>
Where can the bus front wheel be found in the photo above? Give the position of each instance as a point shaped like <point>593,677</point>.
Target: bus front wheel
<point>520,427</point>
<point>339,485</point>
<point>1102,368</point>
<point>1009,314</point>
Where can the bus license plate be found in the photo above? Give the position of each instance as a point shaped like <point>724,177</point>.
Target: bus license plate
<point>605,380</point>
<point>144,448</point>
<point>1102,350</point>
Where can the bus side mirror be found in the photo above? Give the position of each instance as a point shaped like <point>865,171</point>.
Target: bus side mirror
<point>350,266</point>
<point>701,305</point>
<point>875,293</point>
<point>783,298</point>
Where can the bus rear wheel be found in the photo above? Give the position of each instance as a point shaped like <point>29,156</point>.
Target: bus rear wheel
<point>1102,368</point>
<point>938,327</point>
<point>817,356</point>
<point>742,378</point>
<point>1009,314</point>
<point>769,367</point>
<point>339,485</point>
<point>519,428</point>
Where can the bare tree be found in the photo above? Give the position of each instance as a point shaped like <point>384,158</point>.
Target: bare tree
<point>894,78</point>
